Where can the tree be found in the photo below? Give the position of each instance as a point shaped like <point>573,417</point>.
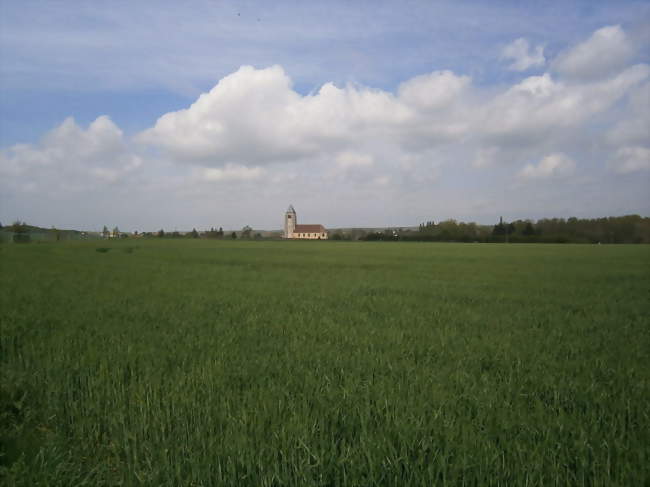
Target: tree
<point>220,233</point>
<point>233,235</point>
<point>499,229</point>
<point>194,233</point>
<point>21,232</point>
<point>19,227</point>
<point>246,232</point>
<point>116,232</point>
<point>528,230</point>
<point>161,233</point>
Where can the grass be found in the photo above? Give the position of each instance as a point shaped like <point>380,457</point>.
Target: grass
<point>324,363</point>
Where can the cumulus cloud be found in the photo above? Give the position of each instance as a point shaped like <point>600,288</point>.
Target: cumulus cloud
<point>539,106</point>
<point>551,166</point>
<point>254,117</point>
<point>72,157</point>
<point>634,129</point>
<point>605,52</point>
<point>631,159</point>
<point>433,91</point>
<point>522,56</point>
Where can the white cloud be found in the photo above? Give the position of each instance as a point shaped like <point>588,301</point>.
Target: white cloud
<point>231,172</point>
<point>254,117</point>
<point>551,166</point>
<point>539,106</point>
<point>631,159</point>
<point>433,91</point>
<point>634,129</point>
<point>347,160</point>
<point>604,53</point>
<point>523,58</point>
<point>73,158</point>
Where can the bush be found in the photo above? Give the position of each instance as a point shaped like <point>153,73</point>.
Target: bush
<point>22,238</point>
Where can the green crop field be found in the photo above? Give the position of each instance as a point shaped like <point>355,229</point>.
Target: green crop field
<point>197,362</point>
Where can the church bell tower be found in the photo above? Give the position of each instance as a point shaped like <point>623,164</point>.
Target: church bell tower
<point>290,221</point>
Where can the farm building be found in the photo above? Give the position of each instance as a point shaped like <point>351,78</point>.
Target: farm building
<point>305,231</point>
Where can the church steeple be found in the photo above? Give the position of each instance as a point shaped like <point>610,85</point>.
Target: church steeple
<point>290,221</point>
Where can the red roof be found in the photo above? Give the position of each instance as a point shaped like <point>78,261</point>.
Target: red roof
<point>309,229</point>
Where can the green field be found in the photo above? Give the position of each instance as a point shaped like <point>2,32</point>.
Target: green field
<point>196,362</point>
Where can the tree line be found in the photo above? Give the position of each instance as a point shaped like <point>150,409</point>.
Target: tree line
<point>213,233</point>
<point>621,229</point>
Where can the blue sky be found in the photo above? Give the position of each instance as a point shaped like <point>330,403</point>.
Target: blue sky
<point>464,110</point>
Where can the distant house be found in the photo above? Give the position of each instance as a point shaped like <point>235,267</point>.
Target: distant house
<point>305,231</point>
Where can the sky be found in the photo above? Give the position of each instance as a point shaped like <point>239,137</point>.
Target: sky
<point>180,115</point>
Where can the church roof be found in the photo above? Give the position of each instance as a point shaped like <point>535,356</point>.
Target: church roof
<point>309,229</point>
<point>290,209</point>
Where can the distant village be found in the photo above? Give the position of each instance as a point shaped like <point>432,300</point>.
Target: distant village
<point>621,229</point>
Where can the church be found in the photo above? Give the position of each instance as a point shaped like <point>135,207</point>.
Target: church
<point>293,230</point>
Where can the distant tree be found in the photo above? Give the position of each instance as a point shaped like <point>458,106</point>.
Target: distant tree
<point>499,229</point>
<point>194,233</point>
<point>116,232</point>
<point>57,233</point>
<point>19,227</point>
<point>246,232</point>
<point>528,230</point>
<point>175,234</point>
<point>220,233</point>
<point>337,236</point>
<point>21,232</point>
<point>233,235</point>
<point>161,233</point>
